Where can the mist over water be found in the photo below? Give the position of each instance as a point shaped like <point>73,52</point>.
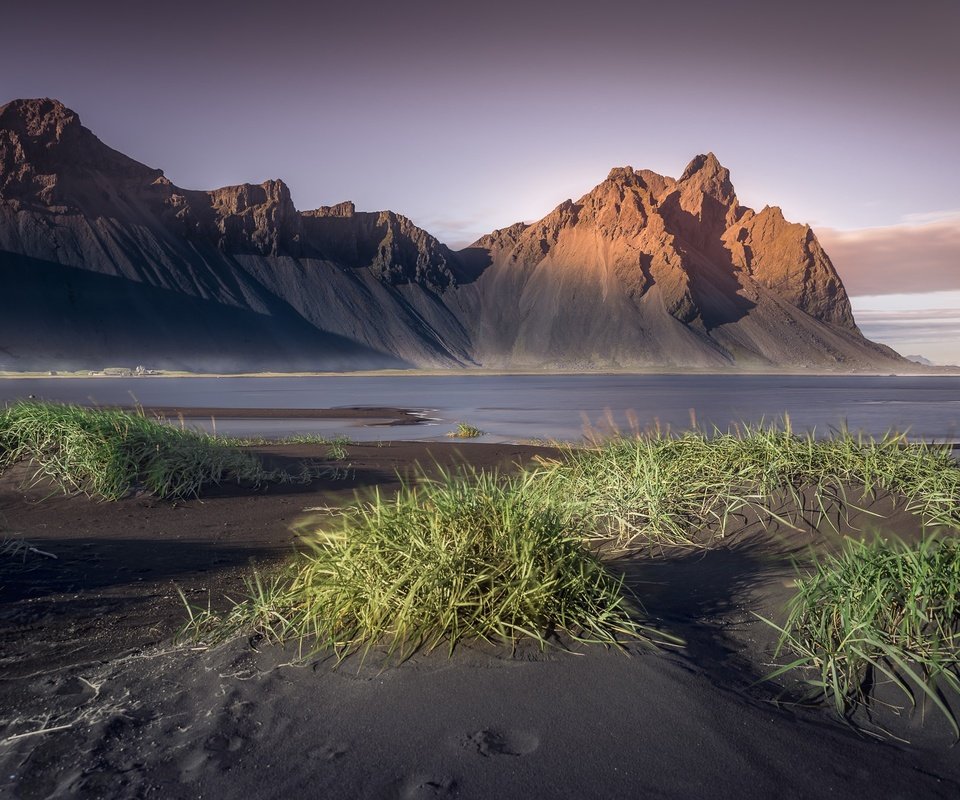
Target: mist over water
<point>520,407</point>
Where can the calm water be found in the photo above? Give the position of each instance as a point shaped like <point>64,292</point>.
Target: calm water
<point>511,408</point>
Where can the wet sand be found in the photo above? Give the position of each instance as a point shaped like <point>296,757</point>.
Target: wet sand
<point>86,655</point>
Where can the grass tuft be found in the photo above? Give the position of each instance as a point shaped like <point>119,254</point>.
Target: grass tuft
<point>465,431</point>
<point>108,453</point>
<point>336,445</point>
<point>879,611</point>
<point>339,440</point>
<point>665,489</point>
<point>473,556</point>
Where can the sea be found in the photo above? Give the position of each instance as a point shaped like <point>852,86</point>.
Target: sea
<point>521,408</point>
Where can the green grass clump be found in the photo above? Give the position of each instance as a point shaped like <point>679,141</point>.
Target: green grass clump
<point>880,610</point>
<point>294,438</point>
<point>107,453</point>
<point>474,556</point>
<point>336,449</point>
<point>336,445</point>
<point>664,488</point>
<point>465,431</point>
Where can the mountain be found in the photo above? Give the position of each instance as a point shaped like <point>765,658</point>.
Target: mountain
<point>103,260</point>
<point>920,360</point>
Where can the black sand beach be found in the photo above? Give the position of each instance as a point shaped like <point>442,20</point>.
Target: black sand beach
<point>97,701</point>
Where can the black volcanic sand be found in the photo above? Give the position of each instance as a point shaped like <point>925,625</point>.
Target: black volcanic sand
<point>87,655</point>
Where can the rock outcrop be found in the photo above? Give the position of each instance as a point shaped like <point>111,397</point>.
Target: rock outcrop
<point>104,259</point>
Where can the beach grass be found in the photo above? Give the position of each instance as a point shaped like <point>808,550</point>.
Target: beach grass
<point>109,453</point>
<point>443,560</point>
<point>667,489</point>
<point>465,430</point>
<point>338,440</point>
<point>461,556</point>
<point>881,610</point>
<point>336,445</point>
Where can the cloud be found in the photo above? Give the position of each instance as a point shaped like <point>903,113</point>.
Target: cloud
<point>921,255</point>
<point>915,326</point>
<point>924,324</point>
<point>931,216</point>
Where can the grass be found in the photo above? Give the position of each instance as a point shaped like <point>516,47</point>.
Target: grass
<point>482,556</point>
<point>13,547</point>
<point>109,453</point>
<point>879,611</point>
<point>336,445</point>
<point>295,438</point>
<point>337,450</point>
<point>666,489</point>
<point>468,556</point>
<point>465,431</point>
<point>499,558</point>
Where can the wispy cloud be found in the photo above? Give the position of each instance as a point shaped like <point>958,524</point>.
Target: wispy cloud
<point>917,326</point>
<point>928,217</point>
<point>920,255</point>
<point>922,324</point>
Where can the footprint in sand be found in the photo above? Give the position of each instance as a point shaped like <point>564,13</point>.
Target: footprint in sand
<point>490,742</point>
<point>329,751</point>
<point>428,788</point>
<point>221,743</point>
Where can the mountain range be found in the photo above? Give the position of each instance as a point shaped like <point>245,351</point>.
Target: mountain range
<point>104,261</point>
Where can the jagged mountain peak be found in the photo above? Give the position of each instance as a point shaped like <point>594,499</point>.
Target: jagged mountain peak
<point>49,159</point>
<point>687,245</point>
<point>625,176</point>
<point>706,163</point>
<point>705,174</point>
<point>41,117</point>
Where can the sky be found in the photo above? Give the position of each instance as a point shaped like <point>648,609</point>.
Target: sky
<point>471,116</point>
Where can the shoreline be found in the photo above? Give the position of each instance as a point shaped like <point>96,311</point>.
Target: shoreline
<point>945,371</point>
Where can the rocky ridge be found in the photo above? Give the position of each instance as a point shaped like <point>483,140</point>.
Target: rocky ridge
<point>643,270</point>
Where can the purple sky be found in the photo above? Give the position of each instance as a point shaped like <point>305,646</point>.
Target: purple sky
<point>468,117</point>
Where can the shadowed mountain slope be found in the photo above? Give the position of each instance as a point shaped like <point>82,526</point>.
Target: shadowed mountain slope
<point>104,260</point>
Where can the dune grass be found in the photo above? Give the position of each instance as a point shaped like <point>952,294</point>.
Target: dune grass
<point>666,489</point>
<point>339,440</point>
<point>465,430</point>
<point>485,556</point>
<point>108,453</point>
<point>466,556</point>
<point>879,611</point>
<point>336,445</point>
